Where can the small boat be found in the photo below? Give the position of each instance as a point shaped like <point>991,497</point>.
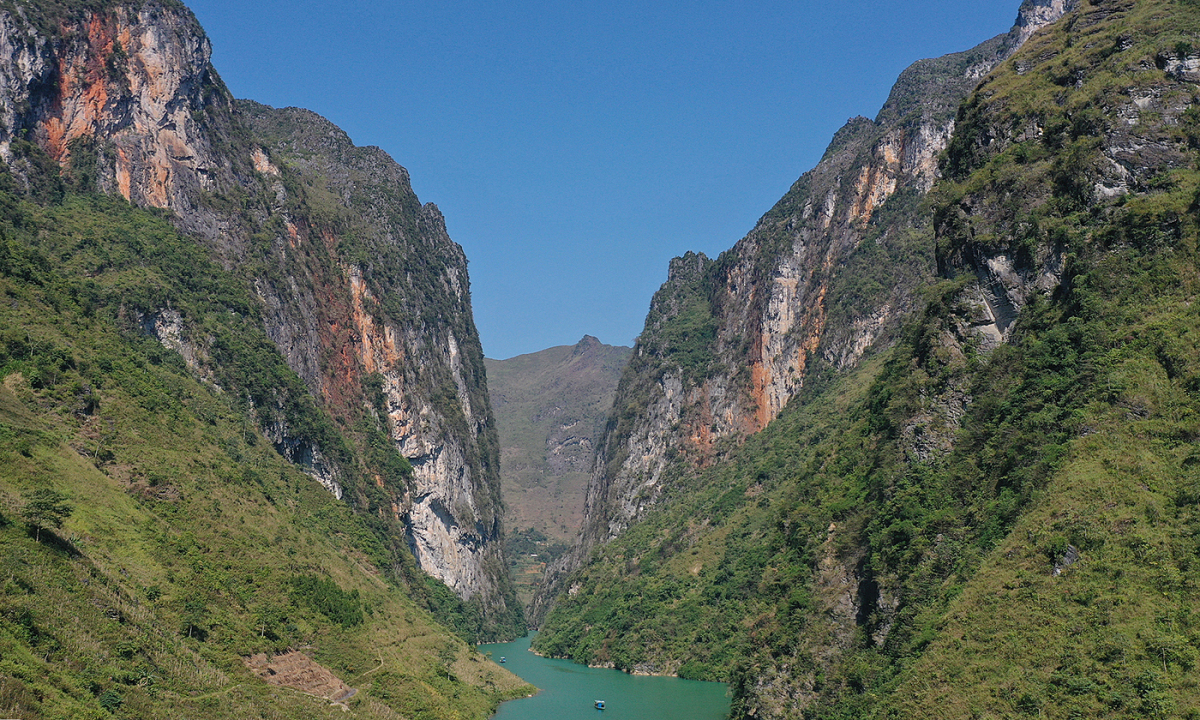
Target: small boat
<point>503,659</point>
<point>599,704</point>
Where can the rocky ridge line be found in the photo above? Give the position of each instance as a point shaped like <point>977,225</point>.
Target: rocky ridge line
<point>778,300</point>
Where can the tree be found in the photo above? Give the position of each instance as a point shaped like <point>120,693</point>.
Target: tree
<point>269,617</point>
<point>195,613</point>
<point>46,508</point>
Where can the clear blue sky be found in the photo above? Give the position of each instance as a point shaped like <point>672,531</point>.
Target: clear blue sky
<point>576,146</point>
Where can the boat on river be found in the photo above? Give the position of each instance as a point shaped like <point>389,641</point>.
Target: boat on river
<point>599,704</point>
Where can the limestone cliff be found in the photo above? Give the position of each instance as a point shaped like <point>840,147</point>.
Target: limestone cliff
<point>362,290</point>
<point>822,278</point>
<point>396,308</point>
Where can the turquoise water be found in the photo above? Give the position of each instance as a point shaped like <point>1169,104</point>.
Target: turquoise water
<point>569,691</point>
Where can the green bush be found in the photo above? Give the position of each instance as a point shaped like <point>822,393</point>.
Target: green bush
<point>325,597</point>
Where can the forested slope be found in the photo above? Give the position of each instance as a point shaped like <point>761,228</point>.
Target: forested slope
<point>189,543</point>
<point>997,516</point>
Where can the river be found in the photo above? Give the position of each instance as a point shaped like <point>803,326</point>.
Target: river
<point>569,691</point>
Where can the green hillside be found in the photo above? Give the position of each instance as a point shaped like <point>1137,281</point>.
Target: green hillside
<point>191,544</point>
<point>953,530</point>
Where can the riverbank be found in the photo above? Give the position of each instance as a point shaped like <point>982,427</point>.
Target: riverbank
<point>641,670</point>
<point>569,689</point>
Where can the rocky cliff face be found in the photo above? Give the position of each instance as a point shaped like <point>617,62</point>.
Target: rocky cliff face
<point>127,98</point>
<point>822,278</point>
<point>397,311</point>
<point>1065,179</point>
<point>363,291</point>
<point>1116,142</point>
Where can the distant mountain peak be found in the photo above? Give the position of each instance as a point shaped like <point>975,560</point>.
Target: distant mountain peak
<point>588,342</point>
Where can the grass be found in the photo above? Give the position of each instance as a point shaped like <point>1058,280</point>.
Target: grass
<point>888,547</point>
<point>190,535</point>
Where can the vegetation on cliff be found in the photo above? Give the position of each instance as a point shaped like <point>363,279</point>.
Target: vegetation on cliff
<point>963,527</point>
<point>192,542</point>
<point>354,244</point>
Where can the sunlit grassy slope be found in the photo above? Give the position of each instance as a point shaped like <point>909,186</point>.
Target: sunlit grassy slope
<point>949,531</point>
<point>192,543</point>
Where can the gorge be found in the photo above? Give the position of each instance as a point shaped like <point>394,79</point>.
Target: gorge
<point>921,444</point>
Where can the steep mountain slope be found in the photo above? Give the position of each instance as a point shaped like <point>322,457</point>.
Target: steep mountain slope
<point>366,296</point>
<point>550,409</point>
<point>996,517</point>
<point>194,546</point>
<point>824,276</point>
<point>392,299</point>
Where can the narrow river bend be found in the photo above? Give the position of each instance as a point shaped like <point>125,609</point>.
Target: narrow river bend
<point>569,691</point>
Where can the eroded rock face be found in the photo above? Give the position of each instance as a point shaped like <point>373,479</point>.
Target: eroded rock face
<point>1036,14</point>
<point>401,315</point>
<point>369,285</point>
<point>123,86</point>
<point>1140,130</point>
<point>789,294</point>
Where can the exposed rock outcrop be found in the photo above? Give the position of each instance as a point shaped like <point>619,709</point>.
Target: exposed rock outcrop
<point>405,320</point>
<point>822,278</point>
<point>361,287</point>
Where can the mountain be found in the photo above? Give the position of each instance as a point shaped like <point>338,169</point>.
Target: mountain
<point>363,292</point>
<point>550,409</point>
<point>825,276</point>
<point>979,503</point>
<point>244,425</point>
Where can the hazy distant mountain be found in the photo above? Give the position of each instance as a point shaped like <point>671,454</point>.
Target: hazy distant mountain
<point>550,408</point>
